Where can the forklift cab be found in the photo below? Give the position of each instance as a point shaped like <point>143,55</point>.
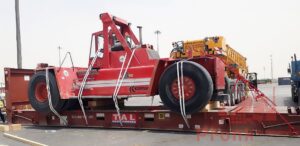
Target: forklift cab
<point>252,78</point>
<point>114,41</point>
<point>117,41</point>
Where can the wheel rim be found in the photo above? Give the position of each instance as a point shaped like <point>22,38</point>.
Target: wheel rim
<point>41,92</point>
<point>189,88</point>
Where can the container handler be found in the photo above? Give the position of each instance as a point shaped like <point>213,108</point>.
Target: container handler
<point>294,70</point>
<point>120,67</point>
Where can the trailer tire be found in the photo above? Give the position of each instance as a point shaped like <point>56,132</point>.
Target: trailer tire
<point>37,93</point>
<point>238,93</point>
<point>227,85</point>
<point>227,90</point>
<point>202,83</point>
<point>232,99</point>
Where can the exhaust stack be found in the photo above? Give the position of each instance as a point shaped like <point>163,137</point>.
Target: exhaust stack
<point>140,34</point>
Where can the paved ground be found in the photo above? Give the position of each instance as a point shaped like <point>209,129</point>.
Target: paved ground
<point>281,94</point>
<point>91,136</point>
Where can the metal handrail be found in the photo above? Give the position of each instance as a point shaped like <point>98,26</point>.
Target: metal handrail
<point>68,53</point>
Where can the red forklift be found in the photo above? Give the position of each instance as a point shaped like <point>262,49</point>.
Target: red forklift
<point>121,66</point>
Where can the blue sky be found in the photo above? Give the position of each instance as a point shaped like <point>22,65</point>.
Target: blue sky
<point>255,28</point>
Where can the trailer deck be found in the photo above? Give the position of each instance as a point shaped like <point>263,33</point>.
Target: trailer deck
<point>232,120</point>
<point>253,116</point>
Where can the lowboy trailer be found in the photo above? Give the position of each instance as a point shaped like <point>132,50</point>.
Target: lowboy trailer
<point>253,116</point>
<point>120,67</point>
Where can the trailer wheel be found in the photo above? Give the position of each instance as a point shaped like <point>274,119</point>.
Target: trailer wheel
<point>237,93</point>
<point>228,90</point>
<point>227,86</point>
<point>198,87</point>
<point>38,96</point>
<point>232,95</point>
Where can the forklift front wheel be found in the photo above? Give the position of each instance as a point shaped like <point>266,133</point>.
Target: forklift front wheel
<point>38,95</point>
<point>198,87</point>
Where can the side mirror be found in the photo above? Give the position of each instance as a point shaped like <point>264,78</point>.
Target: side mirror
<point>252,77</point>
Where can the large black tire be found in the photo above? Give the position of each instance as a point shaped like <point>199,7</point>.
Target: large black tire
<point>238,93</point>
<point>228,90</point>
<point>240,90</point>
<point>203,84</point>
<point>36,93</point>
<point>227,86</point>
<point>232,98</point>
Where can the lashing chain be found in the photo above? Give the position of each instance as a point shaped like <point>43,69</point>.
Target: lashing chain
<point>50,99</point>
<point>83,83</point>
<point>119,84</point>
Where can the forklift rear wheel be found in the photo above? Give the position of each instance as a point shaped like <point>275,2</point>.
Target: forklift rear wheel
<point>198,87</point>
<point>38,95</point>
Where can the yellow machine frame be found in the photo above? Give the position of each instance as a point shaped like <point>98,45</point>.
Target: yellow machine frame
<point>215,46</point>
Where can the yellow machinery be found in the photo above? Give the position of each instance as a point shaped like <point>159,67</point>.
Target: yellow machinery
<point>215,46</point>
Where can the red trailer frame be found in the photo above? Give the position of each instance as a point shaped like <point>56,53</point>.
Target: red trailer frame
<point>254,116</point>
